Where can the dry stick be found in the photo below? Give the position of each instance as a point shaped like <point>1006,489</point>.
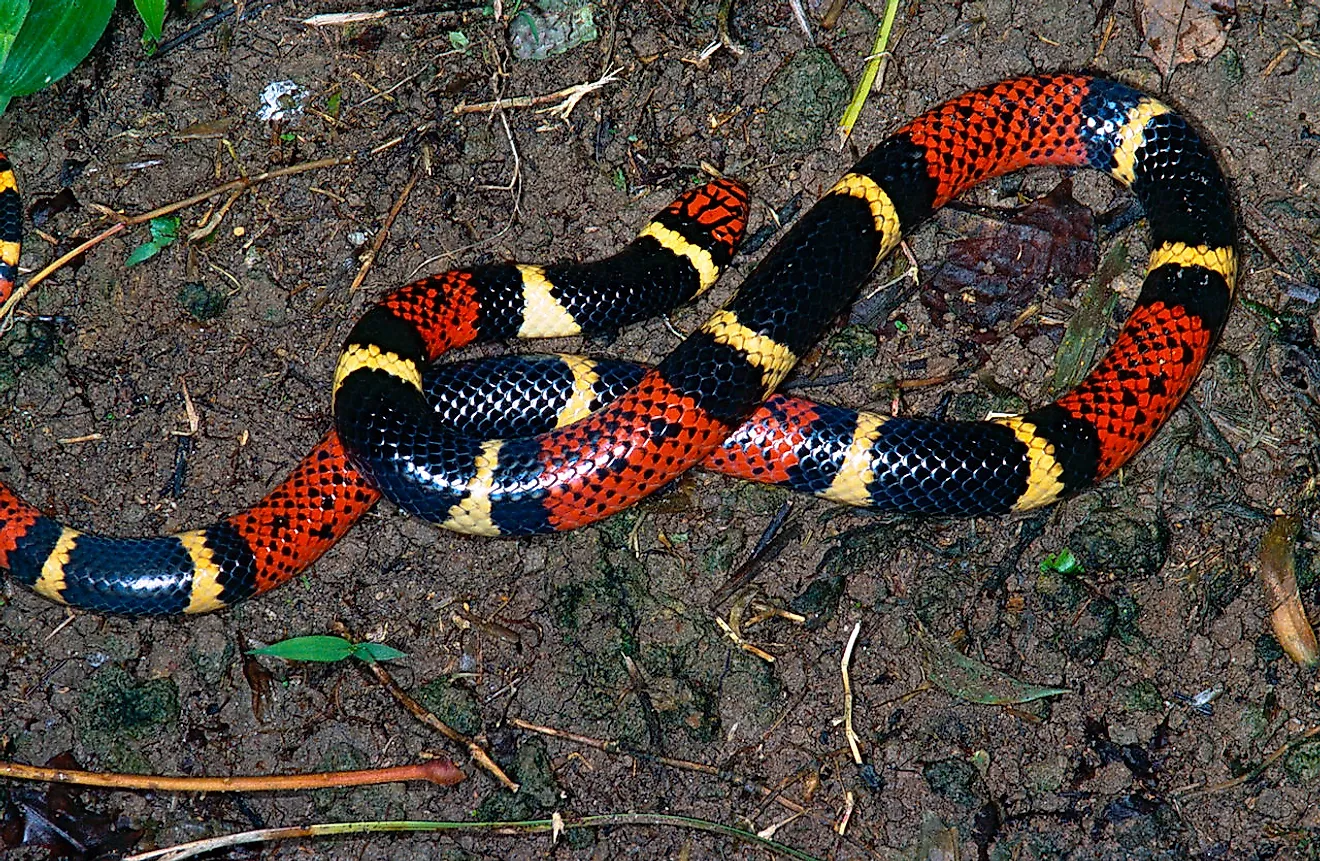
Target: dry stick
<point>243,182</point>
<point>438,771</point>
<point>682,764</point>
<point>51,268</point>
<point>240,184</point>
<point>848,731</point>
<point>615,747</point>
<point>732,777</point>
<point>384,231</point>
<point>1197,791</point>
<point>479,756</point>
<point>569,97</point>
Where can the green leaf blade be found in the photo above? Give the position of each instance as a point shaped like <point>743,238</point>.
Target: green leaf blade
<point>164,229</point>
<point>373,652</point>
<point>12,15</point>
<point>56,36</point>
<point>142,253</point>
<point>152,13</point>
<point>317,648</point>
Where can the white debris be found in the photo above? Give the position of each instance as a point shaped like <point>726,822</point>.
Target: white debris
<point>281,100</point>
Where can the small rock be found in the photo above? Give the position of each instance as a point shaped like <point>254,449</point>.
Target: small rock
<point>805,95</point>
<point>1109,542</point>
<point>551,27</point>
<point>202,302</point>
<point>953,780</point>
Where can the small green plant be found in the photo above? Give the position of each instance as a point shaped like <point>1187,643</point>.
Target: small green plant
<point>1063,562</point>
<point>328,650</point>
<point>164,232</point>
<point>152,13</point>
<point>41,41</point>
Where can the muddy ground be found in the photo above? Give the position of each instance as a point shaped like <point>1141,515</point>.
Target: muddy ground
<point>1136,760</point>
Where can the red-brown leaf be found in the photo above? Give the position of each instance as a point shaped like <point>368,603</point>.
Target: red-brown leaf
<point>1183,31</point>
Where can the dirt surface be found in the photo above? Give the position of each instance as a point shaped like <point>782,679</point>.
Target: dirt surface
<point>1176,687</point>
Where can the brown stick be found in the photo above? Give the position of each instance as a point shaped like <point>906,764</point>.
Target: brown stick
<point>419,711</point>
<point>243,182</point>
<point>384,231</point>
<point>52,267</point>
<point>240,184</point>
<point>438,771</point>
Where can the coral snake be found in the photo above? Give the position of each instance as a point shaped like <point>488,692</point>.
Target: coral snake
<point>421,436</point>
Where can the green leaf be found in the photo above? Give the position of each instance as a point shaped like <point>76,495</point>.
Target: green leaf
<point>142,253</point>
<point>372,652</point>
<point>458,40</point>
<point>329,649</point>
<point>968,679</point>
<point>1063,562</point>
<point>12,14</point>
<point>164,232</point>
<point>54,38</point>
<point>152,13</point>
<point>164,229</point>
<point>316,648</point>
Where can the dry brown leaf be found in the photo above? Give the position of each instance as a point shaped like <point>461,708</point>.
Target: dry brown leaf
<point>1174,32</point>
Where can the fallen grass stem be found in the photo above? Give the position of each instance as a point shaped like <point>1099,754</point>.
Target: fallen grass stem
<point>872,73</point>
<point>557,824</point>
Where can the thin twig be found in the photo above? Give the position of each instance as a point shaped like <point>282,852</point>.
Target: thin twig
<point>563,101</point>
<point>382,94</point>
<point>243,182</point>
<point>438,771</point>
<point>56,265</point>
<point>479,756</point>
<point>848,731</point>
<point>370,257</point>
<point>240,184</point>
<point>1251,774</point>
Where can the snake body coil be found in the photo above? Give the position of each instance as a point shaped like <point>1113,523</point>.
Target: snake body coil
<point>401,430</point>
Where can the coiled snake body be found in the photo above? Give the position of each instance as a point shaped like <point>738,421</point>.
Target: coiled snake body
<point>711,401</point>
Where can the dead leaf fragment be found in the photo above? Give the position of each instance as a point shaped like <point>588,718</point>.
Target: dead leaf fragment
<point>1174,32</point>
<point>1278,579</point>
<point>987,279</point>
<point>968,679</point>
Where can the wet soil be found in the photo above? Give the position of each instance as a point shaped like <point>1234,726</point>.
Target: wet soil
<point>1176,686</point>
